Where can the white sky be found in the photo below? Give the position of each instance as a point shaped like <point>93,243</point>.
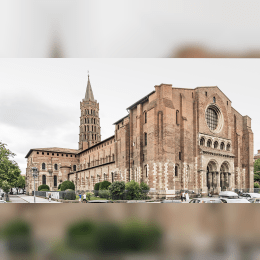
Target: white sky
<point>128,28</point>
<point>40,98</point>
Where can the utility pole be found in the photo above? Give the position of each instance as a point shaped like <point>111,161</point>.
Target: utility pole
<point>34,174</point>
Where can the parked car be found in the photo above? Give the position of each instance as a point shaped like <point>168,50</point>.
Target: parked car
<point>171,201</point>
<point>205,200</point>
<point>228,195</point>
<point>254,200</point>
<point>225,200</point>
<point>250,195</point>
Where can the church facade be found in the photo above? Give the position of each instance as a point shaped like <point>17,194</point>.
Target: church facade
<point>172,139</point>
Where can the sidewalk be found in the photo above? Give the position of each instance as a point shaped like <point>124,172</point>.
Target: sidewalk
<point>30,199</point>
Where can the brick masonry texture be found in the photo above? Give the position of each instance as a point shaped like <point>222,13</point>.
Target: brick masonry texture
<point>165,141</point>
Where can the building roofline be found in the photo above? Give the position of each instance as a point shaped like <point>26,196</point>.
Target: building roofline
<point>120,120</point>
<point>218,89</point>
<point>111,137</point>
<point>142,100</point>
<point>51,151</point>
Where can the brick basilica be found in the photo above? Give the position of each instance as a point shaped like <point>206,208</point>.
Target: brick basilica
<point>173,139</point>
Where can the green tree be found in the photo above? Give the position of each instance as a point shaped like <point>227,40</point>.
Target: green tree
<point>6,187</point>
<point>257,170</point>
<point>20,183</point>
<point>117,189</point>
<point>134,191</point>
<point>256,185</point>
<point>9,169</point>
<point>67,185</point>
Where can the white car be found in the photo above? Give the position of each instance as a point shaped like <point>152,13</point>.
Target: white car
<point>228,195</point>
<point>250,195</point>
<point>206,200</point>
<point>224,200</point>
<point>3,201</point>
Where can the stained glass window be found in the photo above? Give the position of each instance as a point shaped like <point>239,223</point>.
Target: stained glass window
<point>212,118</point>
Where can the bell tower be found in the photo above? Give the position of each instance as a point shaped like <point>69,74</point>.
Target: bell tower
<point>89,130</point>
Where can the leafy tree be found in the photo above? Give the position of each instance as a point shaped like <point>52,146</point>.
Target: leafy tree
<point>43,187</point>
<point>67,185</point>
<point>20,183</point>
<point>6,187</point>
<point>144,186</point>
<point>134,191</point>
<point>256,185</point>
<point>9,169</point>
<point>257,170</point>
<point>104,185</point>
<point>117,189</point>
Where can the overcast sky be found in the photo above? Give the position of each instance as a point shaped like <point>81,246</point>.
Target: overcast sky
<point>129,28</point>
<point>40,98</point>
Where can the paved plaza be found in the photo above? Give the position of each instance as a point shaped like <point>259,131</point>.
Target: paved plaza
<point>29,199</point>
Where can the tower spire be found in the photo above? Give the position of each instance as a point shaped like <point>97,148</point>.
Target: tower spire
<point>89,93</point>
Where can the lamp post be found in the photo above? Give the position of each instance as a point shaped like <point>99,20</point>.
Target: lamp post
<point>34,174</point>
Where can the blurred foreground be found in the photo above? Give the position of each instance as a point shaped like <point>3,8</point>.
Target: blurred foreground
<point>130,231</point>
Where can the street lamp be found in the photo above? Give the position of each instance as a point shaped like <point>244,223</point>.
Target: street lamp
<point>34,174</point>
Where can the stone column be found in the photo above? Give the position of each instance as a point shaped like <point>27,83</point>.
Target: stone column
<point>218,189</point>
<point>229,181</point>
<point>222,180</point>
<point>210,181</point>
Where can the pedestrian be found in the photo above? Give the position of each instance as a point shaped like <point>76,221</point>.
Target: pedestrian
<point>84,198</point>
<point>187,197</point>
<point>49,197</point>
<point>79,198</point>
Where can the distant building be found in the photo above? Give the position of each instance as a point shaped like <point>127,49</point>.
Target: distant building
<point>172,139</point>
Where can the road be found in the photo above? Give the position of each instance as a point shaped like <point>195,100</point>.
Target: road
<point>28,199</point>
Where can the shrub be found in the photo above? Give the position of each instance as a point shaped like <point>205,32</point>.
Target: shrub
<point>59,186</point>
<point>67,185</point>
<point>70,195</point>
<point>117,189</point>
<point>104,185</point>
<point>18,236</point>
<point>256,185</point>
<point>89,195</point>
<point>80,235</point>
<point>133,190</point>
<point>43,187</point>
<point>96,189</point>
<point>96,186</point>
<point>44,190</point>
<point>105,194</point>
<point>144,186</point>
<point>141,236</point>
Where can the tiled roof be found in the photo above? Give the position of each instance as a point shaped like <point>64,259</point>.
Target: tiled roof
<point>53,149</point>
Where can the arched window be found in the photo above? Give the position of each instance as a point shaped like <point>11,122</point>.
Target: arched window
<point>44,179</point>
<point>176,170</point>
<point>215,144</point>
<point>85,137</point>
<point>88,128</point>
<point>93,112</point>
<point>202,141</point>
<point>85,128</point>
<point>112,176</point>
<point>228,147</point>
<point>91,120</point>
<point>214,100</point>
<point>85,120</point>
<point>94,121</point>
<point>177,117</point>
<point>55,166</point>
<point>145,139</point>
<point>74,168</point>
<point>55,180</point>
<point>209,143</point>
<point>43,166</point>
<point>88,112</point>
<point>92,128</point>
<point>188,173</point>
<point>146,171</point>
<point>145,117</point>
<point>222,145</point>
<point>88,120</point>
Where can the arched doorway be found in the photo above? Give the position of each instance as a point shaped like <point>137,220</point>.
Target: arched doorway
<point>211,176</point>
<point>225,177</point>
